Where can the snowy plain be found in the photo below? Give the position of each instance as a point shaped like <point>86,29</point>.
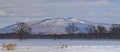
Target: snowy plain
<point>50,45</point>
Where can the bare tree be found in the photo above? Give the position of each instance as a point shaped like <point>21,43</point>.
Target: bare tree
<point>22,30</point>
<point>71,28</point>
<point>101,29</point>
<point>92,29</point>
<point>115,31</point>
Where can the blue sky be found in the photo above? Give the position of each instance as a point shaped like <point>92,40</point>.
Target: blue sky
<point>104,11</point>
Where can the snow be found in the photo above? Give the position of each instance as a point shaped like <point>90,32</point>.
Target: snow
<point>50,45</point>
<point>71,49</point>
<point>78,20</point>
<point>55,25</point>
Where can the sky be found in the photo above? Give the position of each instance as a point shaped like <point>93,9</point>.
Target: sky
<point>103,11</point>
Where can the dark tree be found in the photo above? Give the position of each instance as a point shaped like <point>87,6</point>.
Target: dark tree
<point>22,30</point>
<point>115,31</point>
<point>71,28</point>
<point>101,29</point>
<point>92,29</point>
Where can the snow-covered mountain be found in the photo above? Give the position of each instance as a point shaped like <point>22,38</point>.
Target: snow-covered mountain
<point>55,25</point>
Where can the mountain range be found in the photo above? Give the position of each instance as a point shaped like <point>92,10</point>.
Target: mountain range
<point>55,25</point>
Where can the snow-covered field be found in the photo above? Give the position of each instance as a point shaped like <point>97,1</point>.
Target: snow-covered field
<point>50,45</point>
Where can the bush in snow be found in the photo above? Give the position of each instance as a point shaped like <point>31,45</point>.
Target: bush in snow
<point>64,46</point>
<point>9,46</point>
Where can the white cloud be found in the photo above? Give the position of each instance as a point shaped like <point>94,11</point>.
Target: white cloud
<point>111,14</point>
<point>103,14</point>
<point>81,4</point>
<point>12,14</point>
<point>3,13</point>
<point>22,7</point>
<point>37,14</point>
<point>35,8</point>
<point>92,13</point>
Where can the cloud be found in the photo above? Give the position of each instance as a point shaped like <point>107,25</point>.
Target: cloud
<point>4,13</point>
<point>111,14</point>
<point>81,4</point>
<point>57,8</point>
<point>12,14</point>
<point>92,13</point>
<point>22,7</point>
<point>76,0</point>
<point>39,7</point>
<point>107,14</point>
<point>37,14</point>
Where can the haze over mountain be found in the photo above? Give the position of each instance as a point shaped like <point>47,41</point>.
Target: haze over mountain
<point>55,25</point>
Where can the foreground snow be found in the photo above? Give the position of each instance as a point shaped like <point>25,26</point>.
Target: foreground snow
<point>49,45</point>
<point>69,49</point>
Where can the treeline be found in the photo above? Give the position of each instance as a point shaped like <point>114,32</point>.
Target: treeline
<point>62,36</point>
<point>23,31</point>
